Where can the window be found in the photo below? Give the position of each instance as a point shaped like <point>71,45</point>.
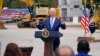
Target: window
<point>76,6</point>
<point>64,12</point>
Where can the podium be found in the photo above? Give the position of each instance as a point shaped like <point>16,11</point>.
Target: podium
<point>48,37</point>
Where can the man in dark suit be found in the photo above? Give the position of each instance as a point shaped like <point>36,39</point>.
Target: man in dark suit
<point>52,24</point>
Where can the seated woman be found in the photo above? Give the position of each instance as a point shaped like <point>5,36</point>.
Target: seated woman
<point>12,50</point>
<point>83,48</point>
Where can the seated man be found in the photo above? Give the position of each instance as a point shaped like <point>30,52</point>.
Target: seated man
<point>64,51</point>
<point>83,48</point>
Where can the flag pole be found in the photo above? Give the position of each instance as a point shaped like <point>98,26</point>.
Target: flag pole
<point>92,9</point>
<point>85,1</point>
<point>84,34</point>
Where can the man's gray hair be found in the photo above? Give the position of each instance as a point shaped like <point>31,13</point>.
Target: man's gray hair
<point>65,46</point>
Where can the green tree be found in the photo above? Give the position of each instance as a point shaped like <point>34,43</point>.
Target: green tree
<point>42,1</point>
<point>14,4</point>
<point>54,3</point>
<point>18,4</point>
<point>96,1</point>
<point>6,2</point>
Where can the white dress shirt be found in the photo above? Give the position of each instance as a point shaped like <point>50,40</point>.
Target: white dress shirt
<point>52,20</point>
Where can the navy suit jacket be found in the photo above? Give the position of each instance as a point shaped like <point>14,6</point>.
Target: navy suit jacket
<point>57,24</point>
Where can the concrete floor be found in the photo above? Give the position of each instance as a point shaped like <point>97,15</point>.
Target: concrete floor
<point>24,37</point>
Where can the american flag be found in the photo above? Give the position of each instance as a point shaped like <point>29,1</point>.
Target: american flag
<point>85,21</point>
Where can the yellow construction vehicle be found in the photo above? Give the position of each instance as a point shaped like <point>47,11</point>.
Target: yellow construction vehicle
<point>1,23</point>
<point>97,17</point>
<point>38,12</point>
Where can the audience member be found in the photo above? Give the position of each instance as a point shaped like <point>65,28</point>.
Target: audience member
<point>64,51</point>
<point>83,48</point>
<point>12,50</point>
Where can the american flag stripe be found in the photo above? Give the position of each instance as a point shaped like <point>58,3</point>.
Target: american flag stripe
<point>82,25</point>
<point>85,23</point>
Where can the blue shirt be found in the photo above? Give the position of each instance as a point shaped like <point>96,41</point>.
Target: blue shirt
<point>82,54</point>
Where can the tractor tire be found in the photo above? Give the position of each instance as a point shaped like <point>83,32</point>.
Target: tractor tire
<point>32,25</point>
<point>20,25</point>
